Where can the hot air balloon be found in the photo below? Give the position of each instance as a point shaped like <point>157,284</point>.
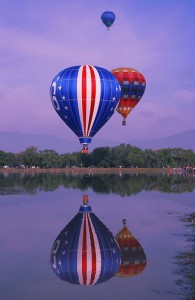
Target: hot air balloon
<point>133,258</point>
<point>85,252</point>
<point>133,85</point>
<point>85,97</point>
<point>108,18</point>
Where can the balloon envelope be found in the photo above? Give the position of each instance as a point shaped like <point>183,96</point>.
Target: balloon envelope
<point>108,18</point>
<point>85,252</point>
<point>133,86</point>
<point>85,97</point>
<point>133,258</point>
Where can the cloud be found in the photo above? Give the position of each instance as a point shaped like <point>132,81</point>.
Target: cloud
<point>43,38</point>
<point>185,96</point>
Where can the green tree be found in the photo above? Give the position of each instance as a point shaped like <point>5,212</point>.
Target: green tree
<point>101,157</point>
<point>2,158</point>
<point>49,159</point>
<point>31,157</point>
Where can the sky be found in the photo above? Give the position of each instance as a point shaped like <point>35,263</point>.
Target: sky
<point>39,38</point>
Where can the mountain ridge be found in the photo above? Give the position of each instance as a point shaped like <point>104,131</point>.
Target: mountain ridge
<point>17,142</point>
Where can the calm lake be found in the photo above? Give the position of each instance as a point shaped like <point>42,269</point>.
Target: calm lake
<point>35,208</point>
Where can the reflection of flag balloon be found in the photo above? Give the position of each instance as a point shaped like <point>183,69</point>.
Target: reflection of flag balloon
<point>108,18</point>
<point>133,258</point>
<point>85,252</point>
<point>133,85</point>
<point>85,97</point>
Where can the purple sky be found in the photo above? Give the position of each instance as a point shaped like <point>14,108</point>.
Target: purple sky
<point>40,38</point>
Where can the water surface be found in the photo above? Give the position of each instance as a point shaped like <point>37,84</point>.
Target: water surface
<point>35,208</point>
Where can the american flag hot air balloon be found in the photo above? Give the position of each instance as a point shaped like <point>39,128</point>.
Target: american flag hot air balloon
<point>85,252</point>
<point>85,97</point>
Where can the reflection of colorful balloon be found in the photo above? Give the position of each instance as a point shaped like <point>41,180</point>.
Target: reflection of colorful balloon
<point>133,258</point>
<point>85,252</point>
<point>108,18</point>
<point>85,97</point>
<point>133,85</point>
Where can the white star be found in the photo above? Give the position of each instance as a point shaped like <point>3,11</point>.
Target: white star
<point>63,97</point>
<point>66,107</point>
<point>111,108</point>
<point>63,252</point>
<point>66,117</point>
<point>60,87</point>
<point>113,98</point>
<point>116,89</point>
<point>66,232</point>
<point>66,242</point>
<point>58,77</point>
<point>60,263</point>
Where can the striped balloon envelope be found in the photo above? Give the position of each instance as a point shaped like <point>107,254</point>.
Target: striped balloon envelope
<point>85,97</point>
<point>133,258</point>
<point>85,252</point>
<point>133,85</point>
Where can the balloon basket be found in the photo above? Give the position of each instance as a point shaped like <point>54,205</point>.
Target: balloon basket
<point>85,150</point>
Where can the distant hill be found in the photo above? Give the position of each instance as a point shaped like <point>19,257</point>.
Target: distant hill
<point>17,142</point>
<point>184,140</point>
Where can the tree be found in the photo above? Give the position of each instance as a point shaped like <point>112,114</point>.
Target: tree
<point>2,158</point>
<point>49,159</point>
<point>31,157</point>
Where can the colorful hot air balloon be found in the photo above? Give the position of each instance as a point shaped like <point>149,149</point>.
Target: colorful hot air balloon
<point>133,85</point>
<point>108,18</point>
<point>133,258</point>
<point>85,97</point>
<point>85,252</point>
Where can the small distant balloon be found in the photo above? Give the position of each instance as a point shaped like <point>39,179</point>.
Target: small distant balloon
<point>108,18</point>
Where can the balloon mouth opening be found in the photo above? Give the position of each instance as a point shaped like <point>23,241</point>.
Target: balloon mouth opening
<point>124,122</point>
<point>85,149</point>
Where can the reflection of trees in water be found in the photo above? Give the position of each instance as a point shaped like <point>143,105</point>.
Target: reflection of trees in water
<point>122,184</point>
<point>185,262</point>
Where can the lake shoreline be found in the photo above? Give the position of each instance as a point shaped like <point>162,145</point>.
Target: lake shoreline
<point>89,170</point>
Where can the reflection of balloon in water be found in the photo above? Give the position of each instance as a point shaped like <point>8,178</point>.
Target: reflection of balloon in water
<point>133,85</point>
<point>85,97</point>
<point>133,258</point>
<point>108,18</point>
<point>85,252</point>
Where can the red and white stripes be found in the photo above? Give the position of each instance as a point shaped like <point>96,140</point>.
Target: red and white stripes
<point>88,96</point>
<point>88,256</point>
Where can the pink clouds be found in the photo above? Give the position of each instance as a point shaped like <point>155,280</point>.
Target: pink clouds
<point>40,40</point>
<point>185,96</point>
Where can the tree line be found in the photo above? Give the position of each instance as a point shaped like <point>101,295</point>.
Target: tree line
<point>123,185</point>
<point>124,155</point>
